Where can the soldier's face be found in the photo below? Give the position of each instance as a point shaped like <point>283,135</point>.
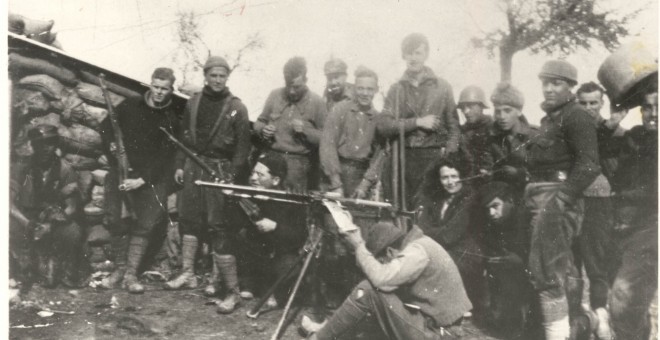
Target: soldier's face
<point>592,101</point>
<point>450,180</point>
<point>650,112</point>
<point>506,117</point>
<point>499,209</point>
<point>555,91</point>
<point>365,90</point>
<point>472,111</point>
<point>216,78</point>
<point>262,178</point>
<point>296,87</point>
<point>335,82</point>
<point>161,90</point>
<point>416,58</point>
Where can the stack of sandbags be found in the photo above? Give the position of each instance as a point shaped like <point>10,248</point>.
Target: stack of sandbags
<point>38,30</point>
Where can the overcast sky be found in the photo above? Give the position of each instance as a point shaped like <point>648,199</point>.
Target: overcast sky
<point>134,36</point>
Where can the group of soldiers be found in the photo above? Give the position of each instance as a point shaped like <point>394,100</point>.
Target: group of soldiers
<point>507,214</point>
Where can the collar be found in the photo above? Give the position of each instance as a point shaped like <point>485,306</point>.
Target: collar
<point>426,75</point>
<point>208,93</point>
<point>355,107</point>
<point>553,110</point>
<point>522,130</point>
<point>150,103</point>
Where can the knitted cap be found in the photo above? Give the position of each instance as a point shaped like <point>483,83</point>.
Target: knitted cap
<point>216,61</point>
<point>559,69</point>
<point>335,66</point>
<point>275,163</point>
<point>43,132</point>
<point>507,94</point>
<point>381,235</point>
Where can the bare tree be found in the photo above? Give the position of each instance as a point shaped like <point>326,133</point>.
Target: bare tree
<point>549,26</point>
<point>193,50</point>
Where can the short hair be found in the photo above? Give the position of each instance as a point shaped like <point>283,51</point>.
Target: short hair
<point>295,67</point>
<point>164,73</point>
<point>412,41</point>
<point>492,190</point>
<point>363,72</point>
<point>590,87</point>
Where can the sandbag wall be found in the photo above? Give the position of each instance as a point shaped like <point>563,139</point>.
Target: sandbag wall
<point>44,90</point>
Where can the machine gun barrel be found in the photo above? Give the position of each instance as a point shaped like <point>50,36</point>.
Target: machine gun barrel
<point>258,193</point>
<point>193,156</point>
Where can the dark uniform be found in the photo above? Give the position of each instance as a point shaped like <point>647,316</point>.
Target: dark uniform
<point>151,157</point>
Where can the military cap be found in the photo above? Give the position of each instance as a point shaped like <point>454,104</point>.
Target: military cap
<point>381,235</point>
<point>507,94</point>
<point>335,66</point>
<point>472,94</point>
<point>275,163</point>
<point>43,132</point>
<point>216,61</point>
<point>559,69</point>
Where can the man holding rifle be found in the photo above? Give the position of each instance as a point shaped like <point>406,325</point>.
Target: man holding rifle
<point>216,126</point>
<point>144,191</point>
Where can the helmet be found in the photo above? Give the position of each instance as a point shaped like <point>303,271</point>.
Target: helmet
<point>624,70</point>
<point>559,69</point>
<point>472,94</point>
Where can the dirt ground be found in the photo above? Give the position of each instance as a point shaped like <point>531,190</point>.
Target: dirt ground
<point>156,314</point>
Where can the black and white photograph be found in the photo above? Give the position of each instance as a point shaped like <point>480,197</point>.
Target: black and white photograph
<point>331,170</point>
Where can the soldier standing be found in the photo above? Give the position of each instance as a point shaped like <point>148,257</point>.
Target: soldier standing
<point>424,105</point>
<point>475,131</point>
<point>562,162</point>
<point>336,89</point>
<point>216,126</point>
<point>292,122</point>
<point>151,157</point>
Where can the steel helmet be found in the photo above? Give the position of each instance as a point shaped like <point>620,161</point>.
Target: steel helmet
<point>472,94</point>
<point>624,70</point>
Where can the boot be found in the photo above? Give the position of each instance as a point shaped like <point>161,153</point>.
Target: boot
<point>187,278</point>
<point>119,245</point>
<point>212,289</point>
<point>136,250</point>
<point>228,272</point>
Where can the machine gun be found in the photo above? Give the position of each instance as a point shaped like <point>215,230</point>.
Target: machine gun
<point>218,176</point>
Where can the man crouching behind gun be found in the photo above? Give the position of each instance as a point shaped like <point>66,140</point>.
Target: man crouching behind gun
<point>413,287</point>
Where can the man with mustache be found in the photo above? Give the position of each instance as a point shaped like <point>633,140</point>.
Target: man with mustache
<point>151,158</point>
<point>336,88</point>
<point>216,126</point>
<point>291,124</point>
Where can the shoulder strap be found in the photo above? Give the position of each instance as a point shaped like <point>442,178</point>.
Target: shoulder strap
<point>221,117</point>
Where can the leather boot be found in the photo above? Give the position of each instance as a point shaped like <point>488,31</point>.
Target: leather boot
<point>187,278</point>
<point>228,272</point>
<point>119,245</point>
<point>136,250</point>
<point>212,287</point>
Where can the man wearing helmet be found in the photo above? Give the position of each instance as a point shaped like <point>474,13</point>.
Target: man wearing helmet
<point>476,129</point>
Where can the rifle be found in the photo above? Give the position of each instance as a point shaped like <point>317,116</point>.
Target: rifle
<point>218,176</point>
<point>294,198</point>
<point>117,146</point>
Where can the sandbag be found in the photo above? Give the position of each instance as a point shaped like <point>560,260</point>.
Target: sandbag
<point>27,103</point>
<point>94,79</point>
<point>16,24</point>
<point>39,30</point>
<point>82,163</point>
<point>94,94</point>
<point>68,106</point>
<point>99,177</point>
<point>48,85</point>
<point>81,140</point>
<point>87,115</point>
<point>23,65</point>
<point>49,119</point>
<point>97,235</point>
<point>57,44</point>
